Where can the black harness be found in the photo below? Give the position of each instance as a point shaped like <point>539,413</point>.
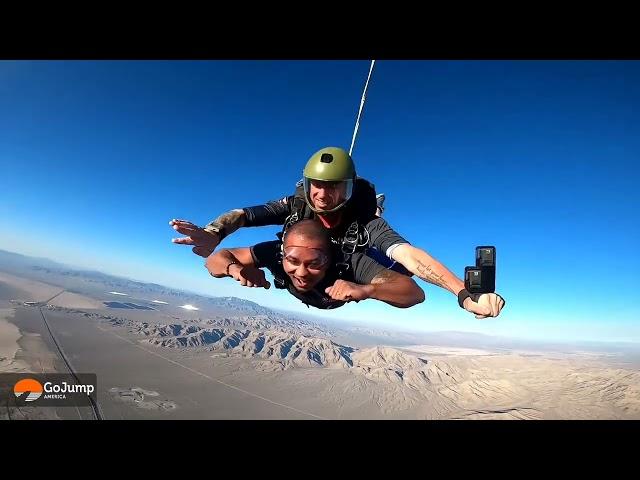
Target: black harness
<point>362,208</point>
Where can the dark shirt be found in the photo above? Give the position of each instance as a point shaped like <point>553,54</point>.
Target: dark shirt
<point>381,235</point>
<point>362,270</point>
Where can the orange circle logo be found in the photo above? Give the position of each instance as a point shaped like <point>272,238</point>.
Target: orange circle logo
<point>30,386</point>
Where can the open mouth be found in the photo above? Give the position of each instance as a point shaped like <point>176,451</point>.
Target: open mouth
<point>300,283</point>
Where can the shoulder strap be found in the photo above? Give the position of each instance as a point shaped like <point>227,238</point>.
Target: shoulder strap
<point>280,280</point>
<point>364,201</point>
<point>299,209</point>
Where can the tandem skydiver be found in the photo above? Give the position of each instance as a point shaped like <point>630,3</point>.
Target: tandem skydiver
<point>348,208</point>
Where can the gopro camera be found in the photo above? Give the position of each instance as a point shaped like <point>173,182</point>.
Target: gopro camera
<point>482,277</point>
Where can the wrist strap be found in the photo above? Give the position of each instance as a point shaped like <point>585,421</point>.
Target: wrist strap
<point>464,293</point>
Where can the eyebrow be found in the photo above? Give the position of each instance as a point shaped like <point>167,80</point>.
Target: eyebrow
<point>321,250</point>
<point>316,259</point>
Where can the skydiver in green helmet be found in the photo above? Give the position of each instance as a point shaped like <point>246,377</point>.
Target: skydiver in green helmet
<point>347,206</point>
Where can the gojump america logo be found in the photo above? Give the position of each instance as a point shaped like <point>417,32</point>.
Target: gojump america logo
<point>49,389</point>
<point>58,391</point>
<point>32,388</point>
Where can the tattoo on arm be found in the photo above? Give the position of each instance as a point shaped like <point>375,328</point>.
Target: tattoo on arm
<point>385,276</point>
<point>231,220</point>
<point>428,275</point>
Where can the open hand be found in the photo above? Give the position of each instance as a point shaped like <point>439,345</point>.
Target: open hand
<point>204,242</point>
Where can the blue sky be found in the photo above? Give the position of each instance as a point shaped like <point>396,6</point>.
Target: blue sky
<point>97,157</point>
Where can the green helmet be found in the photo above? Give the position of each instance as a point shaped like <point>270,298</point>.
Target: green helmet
<point>330,164</point>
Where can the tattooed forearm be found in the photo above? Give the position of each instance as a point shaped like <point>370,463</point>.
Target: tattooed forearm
<point>427,268</point>
<point>231,220</point>
<point>426,273</point>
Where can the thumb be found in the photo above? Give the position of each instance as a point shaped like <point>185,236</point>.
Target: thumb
<point>475,307</point>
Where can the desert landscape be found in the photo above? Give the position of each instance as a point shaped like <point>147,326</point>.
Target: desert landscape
<point>160,353</point>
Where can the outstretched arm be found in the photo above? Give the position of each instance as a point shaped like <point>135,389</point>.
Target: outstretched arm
<point>387,286</point>
<point>423,265</point>
<point>205,240</point>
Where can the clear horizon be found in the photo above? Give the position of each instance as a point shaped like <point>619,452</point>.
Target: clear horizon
<point>360,323</point>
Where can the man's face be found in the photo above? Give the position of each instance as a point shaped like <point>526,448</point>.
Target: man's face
<point>327,195</point>
<point>305,260</point>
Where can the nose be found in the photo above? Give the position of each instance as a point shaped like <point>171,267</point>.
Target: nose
<point>302,271</point>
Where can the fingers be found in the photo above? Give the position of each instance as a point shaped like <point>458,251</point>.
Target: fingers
<point>476,307</point>
<point>259,280</point>
<point>177,222</point>
<point>183,241</point>
<point>495,303</point>
<point>249,278</point>
<point>333,290</point>
<point>242,281</point>
<point>246,282</point>
<point>488,305</point>
<point>501,304</point>
<point>489,302</point>
<point>337,286</point>
<point>338,291</point>
<point>256,278</point>
<point>205,243</point>
<point>185,228</point>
